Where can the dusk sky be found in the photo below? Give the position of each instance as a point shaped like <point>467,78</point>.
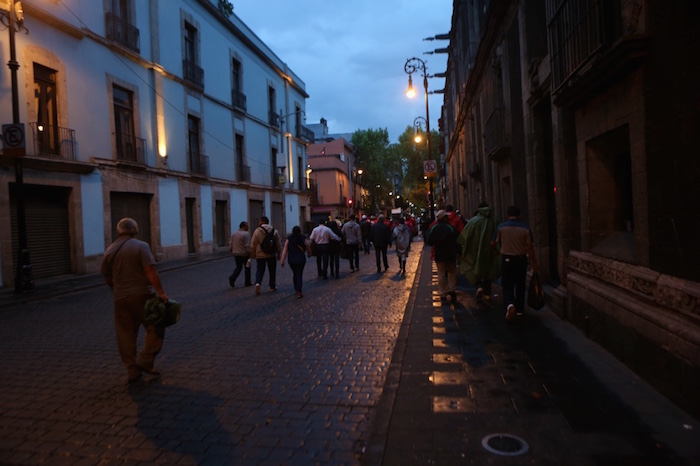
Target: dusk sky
<point>351,56</point>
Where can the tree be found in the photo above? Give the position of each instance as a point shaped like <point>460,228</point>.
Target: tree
<point>378,162</point>
<point>414,187</point>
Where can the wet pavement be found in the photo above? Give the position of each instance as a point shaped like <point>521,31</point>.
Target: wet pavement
<point>366,369</point>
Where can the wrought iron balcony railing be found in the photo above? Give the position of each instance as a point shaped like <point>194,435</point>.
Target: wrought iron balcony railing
<point>53,141</point>
<point>238,100</point>
<point>578,29</point>
<point>307,135</point>
<point>274,119</point>
<point>131,148</point>
<point>119,30</point>
<point>193,73</point>
<point>199,164</point>
<point>243,173</point>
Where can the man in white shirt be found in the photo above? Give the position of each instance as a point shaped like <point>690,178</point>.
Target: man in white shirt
<point>322,235</point>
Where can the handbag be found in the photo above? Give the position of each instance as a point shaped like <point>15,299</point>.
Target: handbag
<point>535,293</point>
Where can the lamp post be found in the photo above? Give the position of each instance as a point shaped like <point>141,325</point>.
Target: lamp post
<point>24,280</point>
<point>413,65</point>
<point>417,128</point>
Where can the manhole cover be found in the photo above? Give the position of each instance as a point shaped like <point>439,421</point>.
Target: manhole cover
<point>505,444</point>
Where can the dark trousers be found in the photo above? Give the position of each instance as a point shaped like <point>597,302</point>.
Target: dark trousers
<point>334,259</point>
<point>354,256</point>
<point>240,265</point>
<point>513,274</point>
<point>271,263</point>
<point>297,274</point>
<point>367,244</point>
<point>322,259</point>
<point>380,253</point>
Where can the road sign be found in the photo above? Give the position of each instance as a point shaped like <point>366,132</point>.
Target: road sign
<point>13,140</point>
<point>430,168</point>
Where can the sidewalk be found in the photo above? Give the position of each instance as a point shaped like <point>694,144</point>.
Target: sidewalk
<point>464,386</point>
<point>47,288</point>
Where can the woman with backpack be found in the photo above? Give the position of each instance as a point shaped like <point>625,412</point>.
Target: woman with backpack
<point>402,238</point>
<point>297,247</point>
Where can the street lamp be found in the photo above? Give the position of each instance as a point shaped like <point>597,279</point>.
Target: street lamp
<point>24,280</point>
<point>413,65</point>
<point>417,129</point>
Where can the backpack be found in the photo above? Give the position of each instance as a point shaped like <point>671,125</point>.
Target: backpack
<point>269,244</point>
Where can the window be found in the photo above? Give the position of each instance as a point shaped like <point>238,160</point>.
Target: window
<point>46,102</point>
<point>271,105</point>
<point>297,121</point>
<point>124,124</point>
<point>242,170</point>
<point>273,165</point>
<point>190,62</point>
<point>611,215</point>
<point>238,98</point>
<point>193,128</point>
<point>119,24</point>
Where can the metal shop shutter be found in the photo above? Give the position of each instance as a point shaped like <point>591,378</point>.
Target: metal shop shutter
<point>132,205</point>
<point>48,229</point>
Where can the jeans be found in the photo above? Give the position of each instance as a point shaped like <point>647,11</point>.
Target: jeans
<point>271,263</point>
<point>297,274</point>
<point>240,266</point>
<point>353,256</point>
<point>513,276</point>
<point>366,242</point>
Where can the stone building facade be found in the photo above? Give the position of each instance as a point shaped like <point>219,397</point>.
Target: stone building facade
<point>584,113</point>
<point>170,112</point>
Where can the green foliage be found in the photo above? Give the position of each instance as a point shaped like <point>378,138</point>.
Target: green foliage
<point>226,7</point>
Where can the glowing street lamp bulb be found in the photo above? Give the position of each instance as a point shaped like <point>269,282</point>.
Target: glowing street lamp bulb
<point>411,91</point>
<point>417,138</point>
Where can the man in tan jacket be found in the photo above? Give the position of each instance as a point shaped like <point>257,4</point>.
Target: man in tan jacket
<point>240,248</point>
<point>265,256</point>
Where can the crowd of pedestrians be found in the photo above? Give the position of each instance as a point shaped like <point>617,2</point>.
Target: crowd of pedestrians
<point>485,251</point>
<point>329,241</point>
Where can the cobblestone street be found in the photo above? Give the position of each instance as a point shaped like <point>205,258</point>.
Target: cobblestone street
<point>262,379</point>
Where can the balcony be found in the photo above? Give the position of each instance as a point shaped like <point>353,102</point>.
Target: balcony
<point>53,142</point>
<point>242,173</point>
<point>198,164</point>
<point>193,73</point>
<point>239,101</point>
<point>307,135</point>
<point>589,45</point>
<point>131,148</point>
<point>496,139</point>
<point>122,32</point>
<point>274,119</point>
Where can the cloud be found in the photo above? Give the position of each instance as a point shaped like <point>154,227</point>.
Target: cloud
<point>351,56</point>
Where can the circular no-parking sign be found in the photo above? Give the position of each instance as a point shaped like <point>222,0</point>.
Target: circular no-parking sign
<point>430,168</point>
<point>13,140</point>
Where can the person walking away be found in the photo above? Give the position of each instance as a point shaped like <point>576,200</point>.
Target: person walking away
<point>443,238</point>
<point>515,240</point>
<point>240,248</point>
<point>479,261</point>
<point>353,235</point>
<point>402,238</point>
<point>129,269</point>
<point>322,236</point>
<point>334,249</point>
<point>265,249</point>
<point>454,219</point>
<point>381,238</point>
<point>365,227</point>
<point>297,248</point>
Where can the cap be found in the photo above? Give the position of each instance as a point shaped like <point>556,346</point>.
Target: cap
<point>364,217</point>
<point>440,214</point>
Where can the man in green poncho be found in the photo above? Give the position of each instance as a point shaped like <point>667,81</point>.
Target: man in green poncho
<point>479,261</point>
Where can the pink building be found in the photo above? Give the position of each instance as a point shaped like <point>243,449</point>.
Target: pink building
<point>332,166</point>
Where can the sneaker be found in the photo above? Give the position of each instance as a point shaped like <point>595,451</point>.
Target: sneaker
<point>510,312</point>
<point>257,289</point>
<point>299,295</point>
<point>272,288</point>
<point>479,293</point>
